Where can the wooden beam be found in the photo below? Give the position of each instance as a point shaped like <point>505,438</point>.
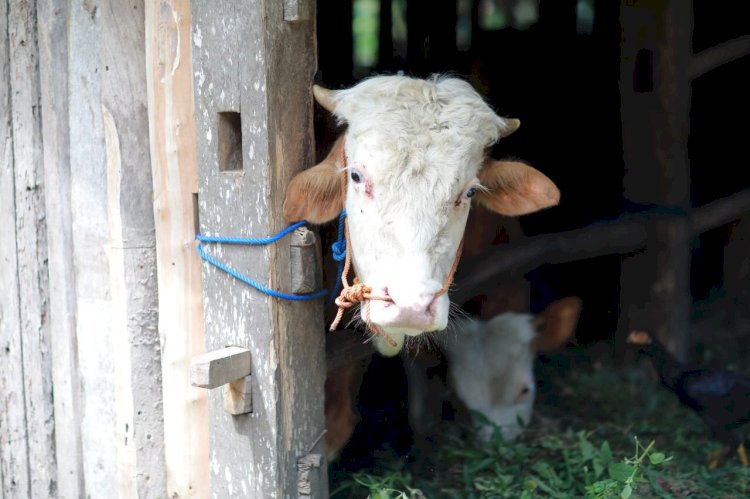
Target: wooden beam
<point>38,473</point>
<point>719,212</point>
<point>217,368</point>
<point>169,76</point>
<point>52,24</point>
<point>627,234</point>
<point>269,96</point>
<point>709,59</point>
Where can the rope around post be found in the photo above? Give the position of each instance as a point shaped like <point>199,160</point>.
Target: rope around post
<point>359,292</point>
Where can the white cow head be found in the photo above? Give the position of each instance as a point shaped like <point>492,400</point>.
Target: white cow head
<point>415,154</point>
<point>491,364</point>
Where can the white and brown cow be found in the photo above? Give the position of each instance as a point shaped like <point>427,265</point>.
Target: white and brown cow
<point>415,156</point>
<point>491,363</point>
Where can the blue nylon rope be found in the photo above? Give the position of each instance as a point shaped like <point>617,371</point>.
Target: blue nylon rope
<point>339,254</point>
<point>256,242</point>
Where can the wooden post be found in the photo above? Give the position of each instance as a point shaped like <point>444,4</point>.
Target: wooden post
<point>169,77</point>
<point>114,254</point>
<point>53,70</point>
<point>27,437</point>
<point>253,75</point>
<point>655,91</point>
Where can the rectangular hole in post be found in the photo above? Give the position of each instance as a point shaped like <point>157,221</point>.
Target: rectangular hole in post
<point>230,142</point>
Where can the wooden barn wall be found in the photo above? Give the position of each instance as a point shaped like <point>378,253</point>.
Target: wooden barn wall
<point>81,410</point>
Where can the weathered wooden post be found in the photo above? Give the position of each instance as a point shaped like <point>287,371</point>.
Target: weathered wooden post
<point>253,65</point>
<point>655,93</point>
<point>26,407</point>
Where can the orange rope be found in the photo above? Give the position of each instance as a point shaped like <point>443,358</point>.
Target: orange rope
<point>359,292</point>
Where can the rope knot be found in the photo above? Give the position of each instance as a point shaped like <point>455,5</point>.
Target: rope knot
<point>352,295</point>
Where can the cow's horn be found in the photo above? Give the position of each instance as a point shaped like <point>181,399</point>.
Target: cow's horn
<point>513,125</point>
<point>325,97</point>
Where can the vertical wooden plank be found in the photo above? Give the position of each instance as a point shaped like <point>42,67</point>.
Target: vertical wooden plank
<point>132,253</point>
<point>53,61</point>
<point>243,454</point>
<point>31,246</point>
<point>256,455</point>
<point>90,241</point>
<point>655,92</point>
<point>299,331</point>
<point>13,446</point>
<point>175,180</point>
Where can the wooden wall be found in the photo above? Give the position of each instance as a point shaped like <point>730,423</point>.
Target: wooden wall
<point>101,304</point>
<point>98,319</point>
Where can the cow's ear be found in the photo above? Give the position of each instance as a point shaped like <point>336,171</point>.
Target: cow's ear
<point>514,188</point>
<point>556,324</point>
<point>315,194</point>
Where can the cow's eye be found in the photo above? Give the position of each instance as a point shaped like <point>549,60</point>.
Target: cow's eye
<point>470,193</point>
<point>356,176</point>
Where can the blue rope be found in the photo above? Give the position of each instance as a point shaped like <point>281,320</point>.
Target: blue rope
<point>339,254</point>
<point>253,241</point>
<point>250,240</point>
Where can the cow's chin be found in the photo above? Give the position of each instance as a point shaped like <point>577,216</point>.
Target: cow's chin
<point>398,336</point>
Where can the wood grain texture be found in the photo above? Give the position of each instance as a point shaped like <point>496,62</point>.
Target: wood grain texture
<point>53,70</point>
<point>89,218</point>
<point>13,447</point>
<point>175,182</point>
<point>270,85</point>
<point>31,247</point>
<point>132,251</point>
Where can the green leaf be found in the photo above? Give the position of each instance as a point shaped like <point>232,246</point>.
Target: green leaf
<point>627,491</point>
<point>656,458</point>
<point>587,450</point>
<point>606,453</point>
<point>598,469</point>
<point>620,471</point>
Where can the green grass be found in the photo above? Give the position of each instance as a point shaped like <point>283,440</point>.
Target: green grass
<point>606,433</point>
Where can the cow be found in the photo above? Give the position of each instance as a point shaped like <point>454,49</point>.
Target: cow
<point>412,160</point>
<point>491,363</point>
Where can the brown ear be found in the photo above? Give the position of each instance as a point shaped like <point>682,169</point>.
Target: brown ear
<point>557,323</point>
<point>315,194</point>
<point>514,188</point>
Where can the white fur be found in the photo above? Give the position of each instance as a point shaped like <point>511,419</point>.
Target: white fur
<point>490,367</point>
<point>420,144</point>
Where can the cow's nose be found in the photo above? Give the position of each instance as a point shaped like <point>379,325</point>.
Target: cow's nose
<point>414,310</point>
<point>417,304</point>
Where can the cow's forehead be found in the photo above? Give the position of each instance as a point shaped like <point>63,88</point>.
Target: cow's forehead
<point>429,155</point>
<point>411,112</point>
